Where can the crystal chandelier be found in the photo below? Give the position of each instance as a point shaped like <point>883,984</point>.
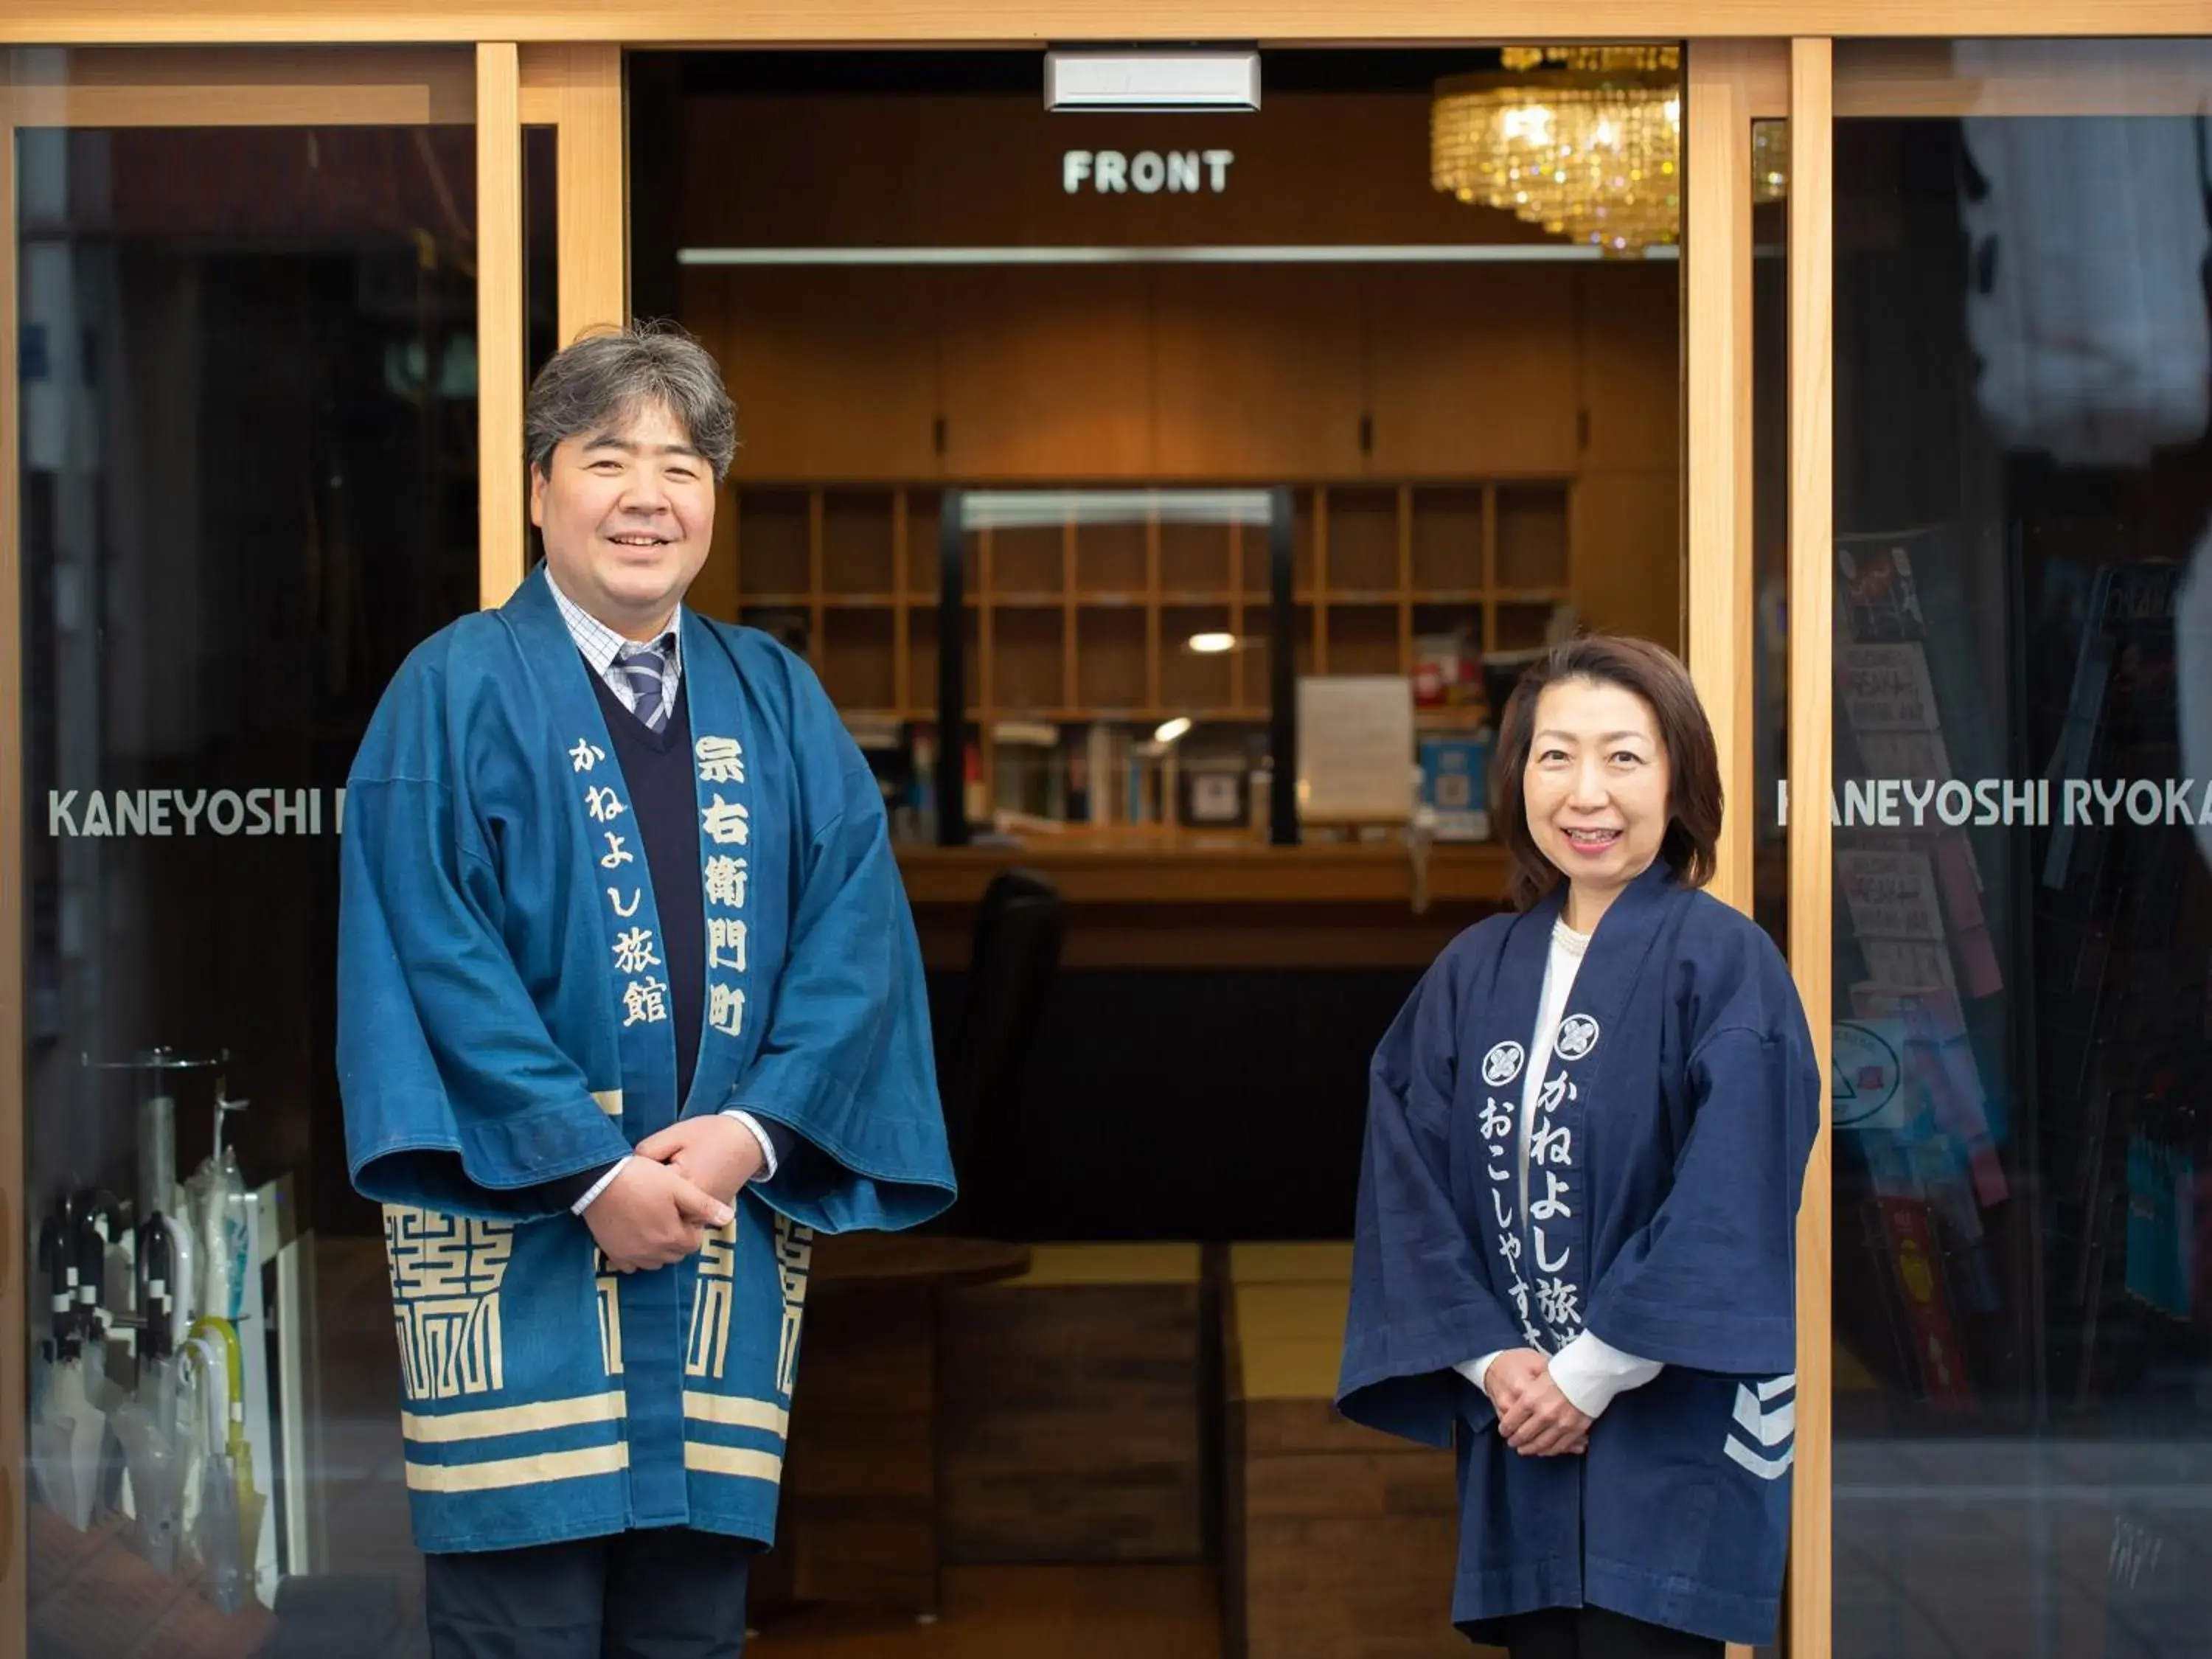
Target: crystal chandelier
<point>1584,141</point>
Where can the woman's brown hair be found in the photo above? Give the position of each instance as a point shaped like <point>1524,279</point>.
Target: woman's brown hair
<point>1694,797</point>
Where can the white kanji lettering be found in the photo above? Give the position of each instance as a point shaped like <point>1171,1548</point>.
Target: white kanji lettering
<point>1544,1262</point>
<point>634,951</point>
<point>1552,1206</point>
<point>645,1000</point>
<point>1558,1301</point>
<point>616,857</point>
<point>721,760</point>
<point>726,943</point>
<point>602,803</point>
<point>1558,1090</point>
<point>1519,1289</point>
<point>1497,1203</point>
<point>585,755</point>
<point>1553,1143</point>
<point>726,1009</point>
<point>726,882</point>
<point>1510,1248</point>
<point>636,897</point>
<point>727,821</point>
<point>1497,1174</point>
<point>1497,1121</point>
<point>1536,1338</point>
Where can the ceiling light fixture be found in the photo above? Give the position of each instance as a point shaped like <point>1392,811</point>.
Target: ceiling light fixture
<point>1585,140</point>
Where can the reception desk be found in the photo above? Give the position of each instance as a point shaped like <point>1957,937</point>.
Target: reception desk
<point>1190,903</point>
<point>1124,870</point>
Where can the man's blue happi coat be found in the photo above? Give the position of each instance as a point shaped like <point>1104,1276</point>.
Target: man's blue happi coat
<point>1665,1163</point>
<point>504,1021</point>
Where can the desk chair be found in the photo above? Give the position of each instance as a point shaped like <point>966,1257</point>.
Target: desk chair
<point>1016,957</point>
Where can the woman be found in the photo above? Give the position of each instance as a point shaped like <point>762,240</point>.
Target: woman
<point>1587,1133</point>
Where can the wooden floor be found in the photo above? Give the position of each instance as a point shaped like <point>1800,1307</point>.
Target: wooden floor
<point>1025,1613</point>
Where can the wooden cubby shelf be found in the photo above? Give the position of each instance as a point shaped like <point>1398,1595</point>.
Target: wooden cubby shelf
<point>1078,622</point>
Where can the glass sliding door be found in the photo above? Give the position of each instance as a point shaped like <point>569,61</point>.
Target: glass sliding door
<point>243,472</point>
<point>2022,849</point>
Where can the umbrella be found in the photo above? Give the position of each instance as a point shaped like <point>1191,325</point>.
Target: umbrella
<point>69,1424</point>
<point>216,1536</point>
<point>154,1449</point>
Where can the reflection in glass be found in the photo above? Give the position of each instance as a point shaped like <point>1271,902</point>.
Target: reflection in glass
<point>249,487</point>
<point>2023,920</point>
<point>1770,508</point>
<point>541,242</point>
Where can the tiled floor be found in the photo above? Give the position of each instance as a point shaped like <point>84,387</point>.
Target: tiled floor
<point>1027,1613</point>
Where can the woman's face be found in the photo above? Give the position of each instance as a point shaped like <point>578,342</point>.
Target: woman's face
<point>1596,783</point>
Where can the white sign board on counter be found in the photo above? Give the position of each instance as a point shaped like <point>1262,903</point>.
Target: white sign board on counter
<point>1355,749</point>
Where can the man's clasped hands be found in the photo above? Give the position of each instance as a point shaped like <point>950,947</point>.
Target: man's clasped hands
<point>681,1184</point>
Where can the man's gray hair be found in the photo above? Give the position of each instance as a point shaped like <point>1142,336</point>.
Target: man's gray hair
<point>606,377</point>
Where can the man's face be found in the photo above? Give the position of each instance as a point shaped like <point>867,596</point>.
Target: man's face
<point>626,512</point>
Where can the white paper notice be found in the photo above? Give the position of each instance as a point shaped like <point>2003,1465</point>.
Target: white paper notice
<point>1355,749</point>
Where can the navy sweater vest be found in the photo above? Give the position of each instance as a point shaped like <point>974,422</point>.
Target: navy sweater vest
<point>656,768</point>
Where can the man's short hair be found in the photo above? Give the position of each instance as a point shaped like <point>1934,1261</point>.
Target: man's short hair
<point>604,378</point>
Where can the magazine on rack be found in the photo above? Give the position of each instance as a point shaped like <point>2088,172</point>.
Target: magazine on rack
<point>1914,949</point>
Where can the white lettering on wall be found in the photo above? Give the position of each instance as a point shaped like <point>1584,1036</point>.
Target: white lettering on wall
<point>1178,173</point>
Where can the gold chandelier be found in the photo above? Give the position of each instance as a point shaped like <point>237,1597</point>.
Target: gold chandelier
<point>1584,141</point>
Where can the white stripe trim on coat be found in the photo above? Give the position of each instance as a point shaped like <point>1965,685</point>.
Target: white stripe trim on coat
<point>505,1472</point>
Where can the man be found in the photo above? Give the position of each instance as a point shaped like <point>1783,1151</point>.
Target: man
<point>629,1002</point>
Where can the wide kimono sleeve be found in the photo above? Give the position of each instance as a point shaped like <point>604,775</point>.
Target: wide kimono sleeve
<point>456,1097</point>
<point>847,1063</point>
<point>1421,1302</point>
<point>1710,1282</point>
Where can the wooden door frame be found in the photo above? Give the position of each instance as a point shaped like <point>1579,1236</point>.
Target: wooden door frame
<point>559,63</point>
<point>1810,1614</point>
<point>1030,22</point>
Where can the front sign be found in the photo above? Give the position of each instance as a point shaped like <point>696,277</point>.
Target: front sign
<point>1148,172</point>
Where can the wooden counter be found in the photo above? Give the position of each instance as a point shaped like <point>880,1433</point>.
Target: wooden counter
<point>1193,871</point>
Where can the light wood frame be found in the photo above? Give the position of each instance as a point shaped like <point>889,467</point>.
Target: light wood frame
<point>1812,680</point>
<point>579,90</point>
<point>556,62</point>
<point>680,22</point>
<point>1720,80</point>
<point>1729,85</point>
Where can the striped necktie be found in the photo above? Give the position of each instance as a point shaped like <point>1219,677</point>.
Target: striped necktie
<point>642,666</point>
